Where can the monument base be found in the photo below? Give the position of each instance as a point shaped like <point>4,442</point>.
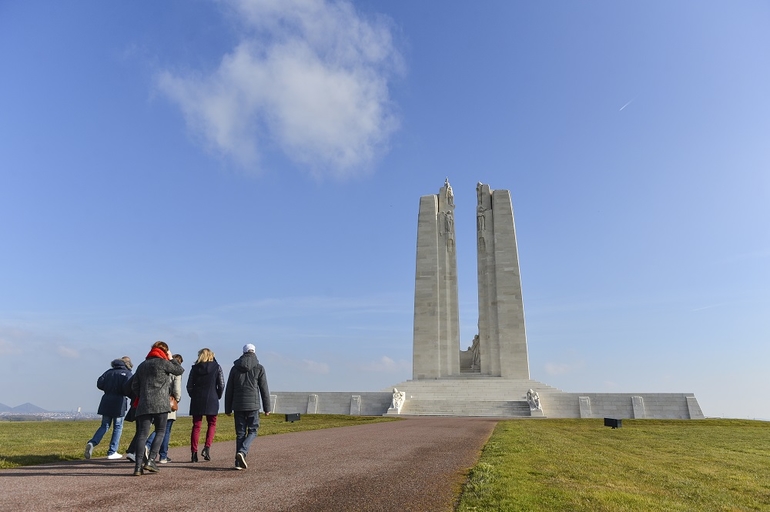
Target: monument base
<point>477,395</point>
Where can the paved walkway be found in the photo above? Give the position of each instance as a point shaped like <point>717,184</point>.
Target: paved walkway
<point>416,464</point>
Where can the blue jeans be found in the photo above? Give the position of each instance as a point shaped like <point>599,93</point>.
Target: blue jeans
<point>163,453</point>
<point>246,427</point>
<point>117,430</point>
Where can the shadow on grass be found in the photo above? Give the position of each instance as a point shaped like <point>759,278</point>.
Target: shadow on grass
<point>12,461</point>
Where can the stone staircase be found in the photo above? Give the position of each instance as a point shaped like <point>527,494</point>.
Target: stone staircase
<point>493,408</point>
<point>471,395</point>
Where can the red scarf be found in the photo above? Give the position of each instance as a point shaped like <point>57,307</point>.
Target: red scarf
<point>157,352</point>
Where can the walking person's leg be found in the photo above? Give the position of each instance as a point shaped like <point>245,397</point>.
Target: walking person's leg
<point>240,437</point>
<point>98,435</point>
<point>252,424</point>
<point>117,431</point>
<point>143,424</point>
<point>164,445</point>
<point>195,436</point>
<point>160,434</point>
<point>246,427</point>
<point>211,429</point>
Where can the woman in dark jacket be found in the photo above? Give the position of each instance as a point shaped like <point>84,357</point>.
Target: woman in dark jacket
<point>205,386</point>
<point>112,407</point>
<point>151,383</point>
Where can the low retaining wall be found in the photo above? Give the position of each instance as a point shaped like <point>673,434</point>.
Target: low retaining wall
<point>555,404</point>
<point>372,403</point>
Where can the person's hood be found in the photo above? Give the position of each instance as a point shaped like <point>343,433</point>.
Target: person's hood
<point>246,362</point>
<point>205,368</point>
<point>119,364</point>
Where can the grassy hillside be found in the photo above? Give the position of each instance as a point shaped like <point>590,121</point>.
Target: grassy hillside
<point>647,465</point>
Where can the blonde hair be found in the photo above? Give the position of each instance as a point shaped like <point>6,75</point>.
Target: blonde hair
<point>204,356</point>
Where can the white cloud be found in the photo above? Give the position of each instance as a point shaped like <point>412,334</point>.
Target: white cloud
<point>8,348</point>
<point>67,352</point>
<point>295,365</point>
<point>562,368</point>
<point>309,77</point>
<point>315,367</point>
<point>386,365</point>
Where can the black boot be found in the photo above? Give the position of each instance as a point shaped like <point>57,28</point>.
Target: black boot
<point>194,457</point>
<point>151,467</point>
<point>205,453</point>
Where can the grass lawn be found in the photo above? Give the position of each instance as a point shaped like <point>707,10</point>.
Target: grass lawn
<point>26,443</point>
<point>647,465</point>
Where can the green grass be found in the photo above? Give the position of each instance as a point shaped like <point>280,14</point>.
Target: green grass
<point>647,465</point>
<point>26,443</point>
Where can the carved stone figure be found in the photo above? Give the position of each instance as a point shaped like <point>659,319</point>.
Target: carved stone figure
<point>449,222</point>
<point>398,399</point>
<point>534,400</point>
<point>481,222</point>
<point>450,196</point>
<point>475,355</point>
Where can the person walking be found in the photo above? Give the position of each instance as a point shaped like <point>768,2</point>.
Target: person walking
<point>112,407</point>
<point>151,383</point>
<point>175,391</point>
<point>246,384</point>
<point>205,386</point>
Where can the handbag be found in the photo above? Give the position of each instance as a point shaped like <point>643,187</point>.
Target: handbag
<point>174,403</point>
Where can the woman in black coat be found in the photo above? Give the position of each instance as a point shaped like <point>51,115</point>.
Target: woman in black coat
<point>205,386</point>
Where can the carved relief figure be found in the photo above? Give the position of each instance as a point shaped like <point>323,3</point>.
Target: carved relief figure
<point>475,355</point>
<point>534,400</point>
<point>449,222</point>
<point>398,399</point>
<point>449,226</point>
<point>450,196</point>
<point>481,222</point>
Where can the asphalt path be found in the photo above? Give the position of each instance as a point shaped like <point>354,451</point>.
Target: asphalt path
<point>417,464</point>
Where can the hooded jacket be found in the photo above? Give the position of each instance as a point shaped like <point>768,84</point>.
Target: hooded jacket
<point>205,385</point>
<point>246,384</point>
<point>113,403</point>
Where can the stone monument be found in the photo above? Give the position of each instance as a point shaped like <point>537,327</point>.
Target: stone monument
<point>436,351</point>
<point>501,347</point>
<point>491,377</point>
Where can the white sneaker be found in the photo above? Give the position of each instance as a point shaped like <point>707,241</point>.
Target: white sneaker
<point>115,456</point>
<point>89,450</point>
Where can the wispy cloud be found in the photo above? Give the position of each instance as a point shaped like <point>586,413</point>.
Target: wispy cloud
<point>298,365</point>
<point>8,348</point>
<point>309,77</point>
<point>67,352</point>
<point>552,368</point>
<point>386,365</point>
<point>627,104</point>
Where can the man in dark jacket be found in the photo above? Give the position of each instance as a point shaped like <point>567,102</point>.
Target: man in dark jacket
<point>246,384</point>
<point>112,407</point>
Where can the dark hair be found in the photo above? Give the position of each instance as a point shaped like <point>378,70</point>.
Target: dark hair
<point>178,357</point>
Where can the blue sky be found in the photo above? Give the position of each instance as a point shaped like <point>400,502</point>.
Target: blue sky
<point>212,173</point>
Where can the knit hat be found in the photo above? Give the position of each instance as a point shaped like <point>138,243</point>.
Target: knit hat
<point>128,362</point>
<point>249,348</point>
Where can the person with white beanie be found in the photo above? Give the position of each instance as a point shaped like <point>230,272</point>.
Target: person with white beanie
<point>246,392</point>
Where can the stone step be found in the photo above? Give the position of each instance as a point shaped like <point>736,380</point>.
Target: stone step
<point>490,408</point>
